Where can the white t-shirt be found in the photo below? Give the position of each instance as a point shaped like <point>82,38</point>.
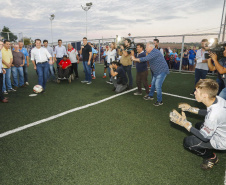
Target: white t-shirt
<point>214,127</point>
<point>72,55</point>
<point>40,55</point>
<point>200,56</point>
<point>111,55</point>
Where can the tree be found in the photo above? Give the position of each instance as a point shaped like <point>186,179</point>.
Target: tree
<point>27,41</point>
<point>4,34</point>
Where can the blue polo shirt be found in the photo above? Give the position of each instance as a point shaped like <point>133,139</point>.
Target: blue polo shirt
<point>157,62</point>
<point>94,51</point>
<point>24,51</point>
<point>106,58</point>
<point>192,54</point>
<point>142,66</point>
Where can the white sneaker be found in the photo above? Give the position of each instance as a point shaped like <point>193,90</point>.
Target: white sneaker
<point>26,83</point>
<point>84,81</point>
<point>12,90</point>
<point>89,83</point>
<point>137,93</point>
<point>5,92</point>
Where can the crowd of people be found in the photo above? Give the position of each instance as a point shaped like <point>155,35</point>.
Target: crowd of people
<point>206,137</point>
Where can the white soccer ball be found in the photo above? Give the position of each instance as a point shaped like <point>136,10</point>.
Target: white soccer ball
<point>37,89</point>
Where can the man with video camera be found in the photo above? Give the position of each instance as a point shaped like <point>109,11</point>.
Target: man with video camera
<point>125,52</point>
<point>118,76</point>
<point>221,68</point>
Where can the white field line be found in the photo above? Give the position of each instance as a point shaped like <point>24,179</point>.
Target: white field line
<point>74,110</point>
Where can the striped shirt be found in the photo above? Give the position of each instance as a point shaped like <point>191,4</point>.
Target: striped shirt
<point>157,62</point>
<point>214,127</point>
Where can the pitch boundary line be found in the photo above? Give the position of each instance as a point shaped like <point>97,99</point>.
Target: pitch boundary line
<point>4,134</point>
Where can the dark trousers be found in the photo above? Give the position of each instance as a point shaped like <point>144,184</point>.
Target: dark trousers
<point>142,78</point>
<point>25,73</point>
<point>1,84</point>
<point>57,62</point>
<point>64,72</point>
<point>75,69</point>
<point>200,74</point>
<point>128,70</point>
<point>197,146</point>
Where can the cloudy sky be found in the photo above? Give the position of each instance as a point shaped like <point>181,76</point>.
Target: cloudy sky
<point>108,18</point>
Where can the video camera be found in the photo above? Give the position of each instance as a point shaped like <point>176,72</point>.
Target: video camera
<point>216,48</point>
<point>132,47</point>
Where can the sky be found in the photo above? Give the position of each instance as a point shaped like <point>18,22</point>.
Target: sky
<point>108,18</point>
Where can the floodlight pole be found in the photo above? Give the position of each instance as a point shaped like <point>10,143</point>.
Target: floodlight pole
<point>86,8</point>
<point>51,20</point>
<point>219,35</point>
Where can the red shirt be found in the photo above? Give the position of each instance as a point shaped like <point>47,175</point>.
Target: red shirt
<point>64,64</point>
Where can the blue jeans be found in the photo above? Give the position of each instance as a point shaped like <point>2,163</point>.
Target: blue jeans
<point>7,80</point>
<point>42,70</point>
<point>200,74</point>
<point>156,83</point>
<point>128,70</point>
<point>15,71</point>
<point>51,72</point>
<point>223,93</point>
<point>25,73</point>
<point>87,69</point>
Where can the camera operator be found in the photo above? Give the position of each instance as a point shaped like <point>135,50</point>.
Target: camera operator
<point>221,68</point>
<point>201,68</point>
<point>126,61</point>
<point>118,76</point>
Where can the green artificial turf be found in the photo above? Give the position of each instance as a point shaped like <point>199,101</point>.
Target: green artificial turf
<point>125,140</point>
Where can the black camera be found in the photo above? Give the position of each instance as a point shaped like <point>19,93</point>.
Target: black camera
<point>216,48</point>
<point>132,47</point>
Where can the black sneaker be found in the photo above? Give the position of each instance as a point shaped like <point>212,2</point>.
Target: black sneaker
<point>148,98</point>
<point>192,94</point>
<point>158,103</point>
<point>209,163</point>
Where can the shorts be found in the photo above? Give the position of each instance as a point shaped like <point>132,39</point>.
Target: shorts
<point>191,62</point>
<point>105,64</point>
<point>185,61</point>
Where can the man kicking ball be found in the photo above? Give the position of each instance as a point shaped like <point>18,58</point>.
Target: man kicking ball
<point>210,135</point>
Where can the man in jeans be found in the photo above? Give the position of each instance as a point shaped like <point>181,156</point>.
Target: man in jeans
<point>7,59</point>
<point>201,68</point>
<point>159,68</point>
<point>2,71</point>
<point>43,59</point>
<point>86,52</point>
<point>126,61</point>
<point>60,51</point>
<point>17,67</point>
<point>142,71</point>
<point>51,74</point>
<point>26,64</point>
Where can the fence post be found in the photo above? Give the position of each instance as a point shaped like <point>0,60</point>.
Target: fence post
<point>99,52</point>
<point>182,52</point>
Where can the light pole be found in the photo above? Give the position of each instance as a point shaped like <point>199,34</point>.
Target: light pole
<point>52,16</point>
<point>219,35</point>
<point>86,8</point>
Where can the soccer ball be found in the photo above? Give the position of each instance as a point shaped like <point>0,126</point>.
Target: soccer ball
<point>37,89</point>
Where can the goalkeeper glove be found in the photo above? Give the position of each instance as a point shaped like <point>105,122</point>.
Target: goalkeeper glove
<point>187,107</point>
<point>180,119</point>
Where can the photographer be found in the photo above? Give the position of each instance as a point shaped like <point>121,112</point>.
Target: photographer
<point>221,68</point>
<point>201,68</point>
<point>126,61</point>
<point>119,78</point>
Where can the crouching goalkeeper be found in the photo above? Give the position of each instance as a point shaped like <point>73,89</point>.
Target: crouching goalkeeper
<point>211,134</point>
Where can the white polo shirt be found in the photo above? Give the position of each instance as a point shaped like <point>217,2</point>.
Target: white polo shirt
<point>72,55</point>
<point>40,55</point>
<point>60,51</point>
<point>200,56</point>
